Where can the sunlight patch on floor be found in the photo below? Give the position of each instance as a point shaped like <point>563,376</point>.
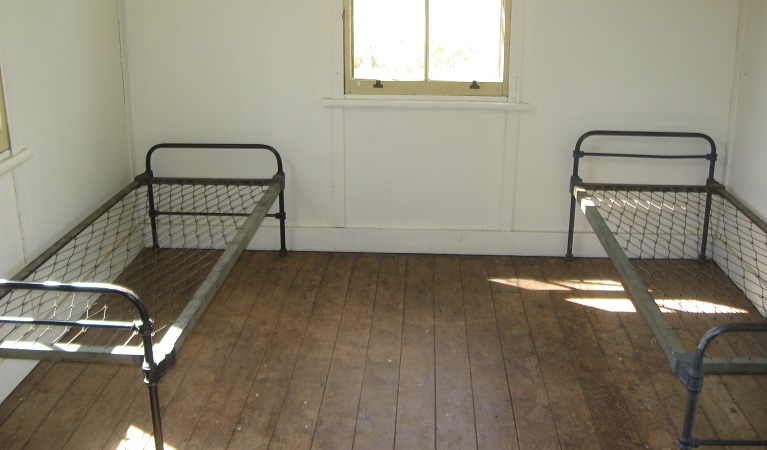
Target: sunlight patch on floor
<point>667,306</point>
<point>136,439</point>
<point>606,304</point>
<point>697,307</point>
<point>564,285</point>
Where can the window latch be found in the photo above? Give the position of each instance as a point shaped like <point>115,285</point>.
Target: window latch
<point>378,84</point>
<point>474,85</point>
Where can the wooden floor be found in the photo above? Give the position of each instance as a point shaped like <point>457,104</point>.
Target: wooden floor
<point>336,351</point>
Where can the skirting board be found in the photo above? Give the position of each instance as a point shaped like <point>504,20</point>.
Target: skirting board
<point>372,240</point>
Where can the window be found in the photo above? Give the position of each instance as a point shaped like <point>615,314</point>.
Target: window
<point>430,47</point>
<point>5,142</point>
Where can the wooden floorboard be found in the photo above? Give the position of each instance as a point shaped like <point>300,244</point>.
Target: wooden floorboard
<point>262,407</point>
<point>221,418</point>
<point>572,418</point>
<point>645,408</point>
<point>31,414</point>
<point>17,397</point>
<point>415,405</point>
<point>454,407</point>
<point>109,410</point>
<point>298,418</point>
<point>493,411</point>
<point>367,351</point>
<point>533,417</point>
<point>340,403</point>
<point>604,400</point>
<point>73,406</point>
<point>377,411</point>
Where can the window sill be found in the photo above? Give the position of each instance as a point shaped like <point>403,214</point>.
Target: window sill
<point>408,102</point>
<point>14,160</point>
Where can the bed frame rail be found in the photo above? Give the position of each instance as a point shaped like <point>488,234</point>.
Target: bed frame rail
<point>715,226</point>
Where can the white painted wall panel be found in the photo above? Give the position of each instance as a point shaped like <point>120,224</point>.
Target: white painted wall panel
<point>748,161</point>
<point>587,65</point>
<point>417,169</point>
<point>63,83</point>
<point>257,70</point>
<point>237,71</point>
<point>649,65</point>
<point>11,250</point>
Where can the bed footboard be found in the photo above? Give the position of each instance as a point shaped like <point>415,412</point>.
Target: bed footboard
<point>141,327</point>
<point>691,374</point>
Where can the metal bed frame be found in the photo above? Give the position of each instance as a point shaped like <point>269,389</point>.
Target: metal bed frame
<point>707,225</point>
<point>46,308</point>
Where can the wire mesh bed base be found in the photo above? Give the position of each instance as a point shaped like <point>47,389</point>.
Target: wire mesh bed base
<point>694,262</point>
<point>129,282</point>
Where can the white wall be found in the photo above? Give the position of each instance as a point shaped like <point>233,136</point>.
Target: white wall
<point>748,161</point>
<point>617,65</point>
<point>62,71</point>
<point>373,179</point>
<point>237,71</point>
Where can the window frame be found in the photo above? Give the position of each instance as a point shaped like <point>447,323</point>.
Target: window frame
<point>5,139</point>
<point>364,86</point>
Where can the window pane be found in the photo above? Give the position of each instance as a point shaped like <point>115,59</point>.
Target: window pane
<point>389,39</point>
<point>466,40</point>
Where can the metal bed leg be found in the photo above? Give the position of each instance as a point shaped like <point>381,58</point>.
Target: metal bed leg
<point>706,224</point>
<point>574,179</point>
<point>685,441</point>
<point>152,374</point>
<point>691,374</point>
<point>569,254</point>
<point>153,217</point>
<point>281,217</point>
<point>154,403</point>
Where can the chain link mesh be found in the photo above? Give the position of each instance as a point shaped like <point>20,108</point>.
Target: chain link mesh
<point>194,225</point>
<point>700,277</point>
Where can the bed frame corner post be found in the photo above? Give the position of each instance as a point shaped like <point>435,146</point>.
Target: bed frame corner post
<point>281,216</point>
<point>706,226</point>
<point>574,179</point>
<point>687,367</point>
<point>685,440</point>
<point>569,253</point>
<point>710,183</point>
<point>152,214</point>
<point>152,375</point>
<point>154,402</point>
